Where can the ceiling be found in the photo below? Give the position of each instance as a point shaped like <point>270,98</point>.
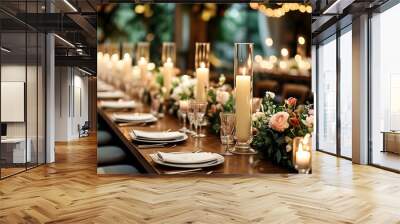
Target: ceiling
<point>72,20</point>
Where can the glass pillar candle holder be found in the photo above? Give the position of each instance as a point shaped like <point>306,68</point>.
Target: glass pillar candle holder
<point>243,71</point>
<point>142,59</point>
<point>168,58</point>
<point>128,48</point>
<point>202,65</point>
<point>302,153</point>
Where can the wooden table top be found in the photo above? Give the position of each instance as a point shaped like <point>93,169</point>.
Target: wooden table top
<point>234,164</point>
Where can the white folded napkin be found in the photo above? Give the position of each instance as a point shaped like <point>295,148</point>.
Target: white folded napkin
<point>104,87</point>
<point>158,135</point>
<point>110,94</point>
<point>200,157</point>
<point>118,104</point>
<point>134,117</point>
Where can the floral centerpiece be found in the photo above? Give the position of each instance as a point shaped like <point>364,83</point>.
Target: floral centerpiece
<point>220,99</point>
<point>277,125</point>
<point>182,89</point>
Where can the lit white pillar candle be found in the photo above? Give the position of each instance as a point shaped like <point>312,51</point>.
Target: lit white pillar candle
<point>243,107</point>
<point>142,63</point>
<point>302,157</point>
<point>202,74</point>
<point>168,72</point>
<point>127,60</point>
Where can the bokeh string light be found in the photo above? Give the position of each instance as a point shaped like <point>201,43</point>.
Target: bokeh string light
<point>281,8</point>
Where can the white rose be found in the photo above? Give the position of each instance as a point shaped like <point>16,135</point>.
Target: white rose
<point>310,121</point>
<point>222,97</point>
<point>270,95</point>
<point>185,78</point>
<point>256,116</point>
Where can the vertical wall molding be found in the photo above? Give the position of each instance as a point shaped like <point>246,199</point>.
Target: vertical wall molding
<point>360,90</point>
<point>50,99</point>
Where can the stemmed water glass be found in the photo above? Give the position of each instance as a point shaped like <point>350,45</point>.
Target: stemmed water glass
<point>155,104</point>
<point>191,112</point>
<point>183,109</point>
<point>200,111</point>
<point>227,131</point>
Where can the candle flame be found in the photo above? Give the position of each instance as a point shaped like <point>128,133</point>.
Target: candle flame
<point>242,71</point>
<point>202,65</point>
<point>300,147</point>
<point>127,56</point>
<point>169,59</point>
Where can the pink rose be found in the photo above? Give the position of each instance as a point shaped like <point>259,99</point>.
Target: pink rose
<point>311,112</point>
<point>222,97</point>
<point>279,121</point>
<point>292,101</point>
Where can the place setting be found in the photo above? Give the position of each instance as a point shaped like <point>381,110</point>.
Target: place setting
<point>132,119</point>
<point>114,94</point>
<point>188,162</point>
<point>118,104</point>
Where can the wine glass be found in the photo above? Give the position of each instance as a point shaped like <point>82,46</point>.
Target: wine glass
<point>227,130</point>
<point>200,111</point>
<point>155,104</point>
<point>183,109</point>
<point>191,112</point>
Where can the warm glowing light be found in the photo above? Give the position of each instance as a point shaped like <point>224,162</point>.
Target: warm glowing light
<point>254,5</point>
<point>309,9</point>
<point>282,8</point>
<point>273,59</point>
<point>266,64</point>
<point>269,42</point>
<point>301,40</point>
<point>282,64</point>
<point>284,52</point>
<point>302,8</point>
<point>151,66</point>
<point>297,57</point>
<point>139,9</point>
<point>258,58</point>
<point>127,56</point>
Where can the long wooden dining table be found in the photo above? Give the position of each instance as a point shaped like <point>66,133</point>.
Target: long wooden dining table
<point>233,164</point>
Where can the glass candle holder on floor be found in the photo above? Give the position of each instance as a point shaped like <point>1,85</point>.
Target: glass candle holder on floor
<point>243,71</point>
<point>302,153</point>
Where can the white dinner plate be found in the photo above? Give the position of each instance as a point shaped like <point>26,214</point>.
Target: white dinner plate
<point>216,162</point>
<point>118,104</point>
<point>133,121</point>
<point>185,137</point>
<point>110,95</point>
<point>127,118</point>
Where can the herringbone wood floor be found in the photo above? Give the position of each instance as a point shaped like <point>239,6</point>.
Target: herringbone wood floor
<point>69,191</point>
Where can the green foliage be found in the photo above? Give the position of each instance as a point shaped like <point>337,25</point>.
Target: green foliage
<point>277,146</point>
